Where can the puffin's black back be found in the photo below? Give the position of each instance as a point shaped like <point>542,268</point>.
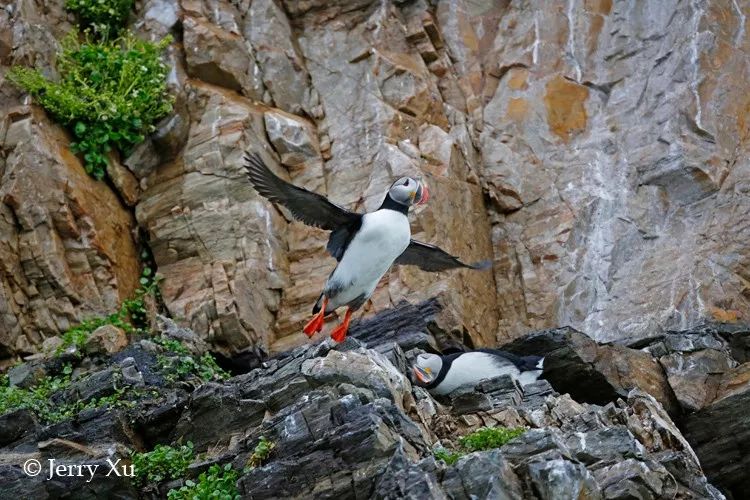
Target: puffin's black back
<point>523,363</point>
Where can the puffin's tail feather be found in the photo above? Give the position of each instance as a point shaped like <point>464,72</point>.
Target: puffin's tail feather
<point>318,304</point>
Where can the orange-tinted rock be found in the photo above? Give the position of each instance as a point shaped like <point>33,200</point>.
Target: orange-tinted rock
<point>518,108</point>
<point>566,110</point>
<point>107,339</point>
<point>518,79</point>
<point>733,382</point>
<point>66,240</point>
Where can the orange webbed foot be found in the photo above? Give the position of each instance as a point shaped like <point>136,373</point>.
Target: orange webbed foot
<point>315,325</point>
<point>339,333</point>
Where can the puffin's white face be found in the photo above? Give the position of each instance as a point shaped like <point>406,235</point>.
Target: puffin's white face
<point>427,367</point>
<point>408,191</point>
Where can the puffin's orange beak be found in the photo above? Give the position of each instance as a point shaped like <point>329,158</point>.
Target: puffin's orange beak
<point>425,195</point>
<point>421,375</point>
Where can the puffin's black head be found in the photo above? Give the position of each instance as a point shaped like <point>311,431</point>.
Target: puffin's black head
<point>407,191</point>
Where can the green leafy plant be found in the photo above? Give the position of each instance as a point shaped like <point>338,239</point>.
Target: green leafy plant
<point>449,457</point>
<point>37,399</point>
<point>109,95</point>
<point>261,452</point>
<point>179,364</point>
<point>172,345</point>
<point>218,483</point>
<point>179,367</point>
<point>486,438</point>
<point>163,462</point>
<point>105,16</point>
<point>135,307</point>
<point>79,334</point>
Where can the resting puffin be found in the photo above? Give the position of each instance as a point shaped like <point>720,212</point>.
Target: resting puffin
<point>443,374</point>
<point>365,245</point>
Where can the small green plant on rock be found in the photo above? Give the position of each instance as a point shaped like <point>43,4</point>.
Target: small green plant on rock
<point>449,457</point>
<point>261,452</point>
<point>79,334</point>
<point>179,364</point>
<point>218,483</point>
<point>131,318</point>
<point>486,438</point>
<point>109,95</point>
<point>37,399</point>
<point>106,17</point>
<point>135,307</point>
<point>162,463</point>
<point>172,345</point>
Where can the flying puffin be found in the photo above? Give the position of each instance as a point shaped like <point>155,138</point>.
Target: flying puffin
<point>365,245</point>
<point>443,374</point>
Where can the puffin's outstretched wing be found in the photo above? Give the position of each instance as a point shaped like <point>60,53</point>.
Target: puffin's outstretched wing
<point>311,208</point>
<point>431,258</point>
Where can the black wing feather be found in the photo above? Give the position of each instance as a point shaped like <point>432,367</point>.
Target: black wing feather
<point>311,208</point>
<point>523,363</point>
<point>341,237</point>
<point>432,258</point>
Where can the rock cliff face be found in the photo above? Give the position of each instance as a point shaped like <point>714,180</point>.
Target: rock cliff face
<point>620,131</point>
<point>595,150</point>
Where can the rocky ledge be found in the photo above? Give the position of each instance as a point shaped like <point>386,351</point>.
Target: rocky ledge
<point>345,421</point>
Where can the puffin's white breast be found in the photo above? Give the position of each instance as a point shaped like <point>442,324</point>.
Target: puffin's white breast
<point>383,236</point>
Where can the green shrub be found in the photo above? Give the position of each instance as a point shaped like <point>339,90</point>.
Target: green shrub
<point>109,95</point>
<point>172,345</point>
<point>218,483</point>
<point>105,16</point>
<point>163,462</point>
<point>486,438</point>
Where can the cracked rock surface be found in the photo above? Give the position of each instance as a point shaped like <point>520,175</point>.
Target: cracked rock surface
<point>347,422</point>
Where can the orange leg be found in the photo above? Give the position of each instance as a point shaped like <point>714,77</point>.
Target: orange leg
<point>339,333</point>
<point>316,323</point>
